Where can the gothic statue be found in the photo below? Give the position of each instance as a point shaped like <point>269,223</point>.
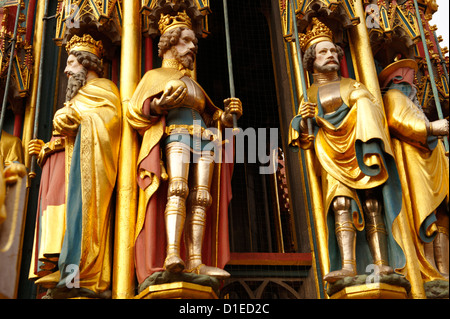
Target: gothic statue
<point>354,161</point>
<point>181,131</point>
<point>422,165</point>
<point>73,235</point>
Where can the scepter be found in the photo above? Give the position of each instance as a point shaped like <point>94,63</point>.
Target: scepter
<point>32,172</point>
<point>8,76</point>
<point>230,62</point>
<point>300,64</point>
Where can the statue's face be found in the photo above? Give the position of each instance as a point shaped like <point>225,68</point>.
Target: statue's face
<point>186,48</point>
<point>72,66</point>
<point>327,59</point>
<point>77,75</point>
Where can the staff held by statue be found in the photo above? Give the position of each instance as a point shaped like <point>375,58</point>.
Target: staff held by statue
<point>32,172</point>
<point>300,64</point>
<point>230,61</point>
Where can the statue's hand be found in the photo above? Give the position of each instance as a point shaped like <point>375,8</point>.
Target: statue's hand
<point>173,95</point>
<point>439,128</point>
<point>233,106</point>
<point>35,146</point>
<point>307,111</point>
<point>66,121</point>
<point>13,172</point>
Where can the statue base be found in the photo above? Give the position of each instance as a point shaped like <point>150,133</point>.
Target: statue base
<point>391,286</point>
<point>372,291</point>
<point>437,289</point>
<point>177,290</point>
<point>184,285</point>
<point>75,293</point>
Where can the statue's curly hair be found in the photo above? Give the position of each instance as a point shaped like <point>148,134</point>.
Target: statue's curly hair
<point>89,61</point>
<point>310,56</point>
<point>171,38</point>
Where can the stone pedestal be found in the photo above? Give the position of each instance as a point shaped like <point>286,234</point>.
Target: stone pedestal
<point>371,291</point>
<point>177,290</point>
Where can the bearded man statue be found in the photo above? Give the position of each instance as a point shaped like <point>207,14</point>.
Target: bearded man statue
<point>176,118</point>
<point>72,255</point>
<point>359,181</point>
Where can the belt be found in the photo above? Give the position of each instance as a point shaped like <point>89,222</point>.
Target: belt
<point>194,130</point>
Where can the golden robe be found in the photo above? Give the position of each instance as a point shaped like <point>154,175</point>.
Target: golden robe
<point>10,151</point>
<point>423,169</point>
<point>335,145</point>
<point>353,153</point>
<point>83,248</point>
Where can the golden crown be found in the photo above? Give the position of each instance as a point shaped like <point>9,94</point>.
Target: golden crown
<point>315,33</point>
<point>85,43</point>
<point>168,22</point>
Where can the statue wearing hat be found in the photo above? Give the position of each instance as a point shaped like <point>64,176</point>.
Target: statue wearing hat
<point>422,165</point>
<point>178,175</point>
<point>359,182</point>
<point>72,249</point>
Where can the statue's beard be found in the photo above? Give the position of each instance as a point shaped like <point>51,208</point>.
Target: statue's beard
<point>413,97</point>
<point>76,81</point>
<point>186,59</point>
<point>326,68</point>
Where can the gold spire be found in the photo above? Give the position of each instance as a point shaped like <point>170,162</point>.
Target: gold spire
<point>168,22</point>
<point>315,33</point>
<point>85,43</point>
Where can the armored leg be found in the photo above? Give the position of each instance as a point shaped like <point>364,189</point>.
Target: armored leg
<point>441,243</point>
<point>199,201</point>
<point>177,161</point>
<point>377,235</point>
<point>428,249</point>
<point>346,238</point>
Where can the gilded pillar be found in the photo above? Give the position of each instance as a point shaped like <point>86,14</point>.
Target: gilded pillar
<point>314,183</point>
<point>123,273</point>
<point>30,109</point>
<point>362,52</point>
